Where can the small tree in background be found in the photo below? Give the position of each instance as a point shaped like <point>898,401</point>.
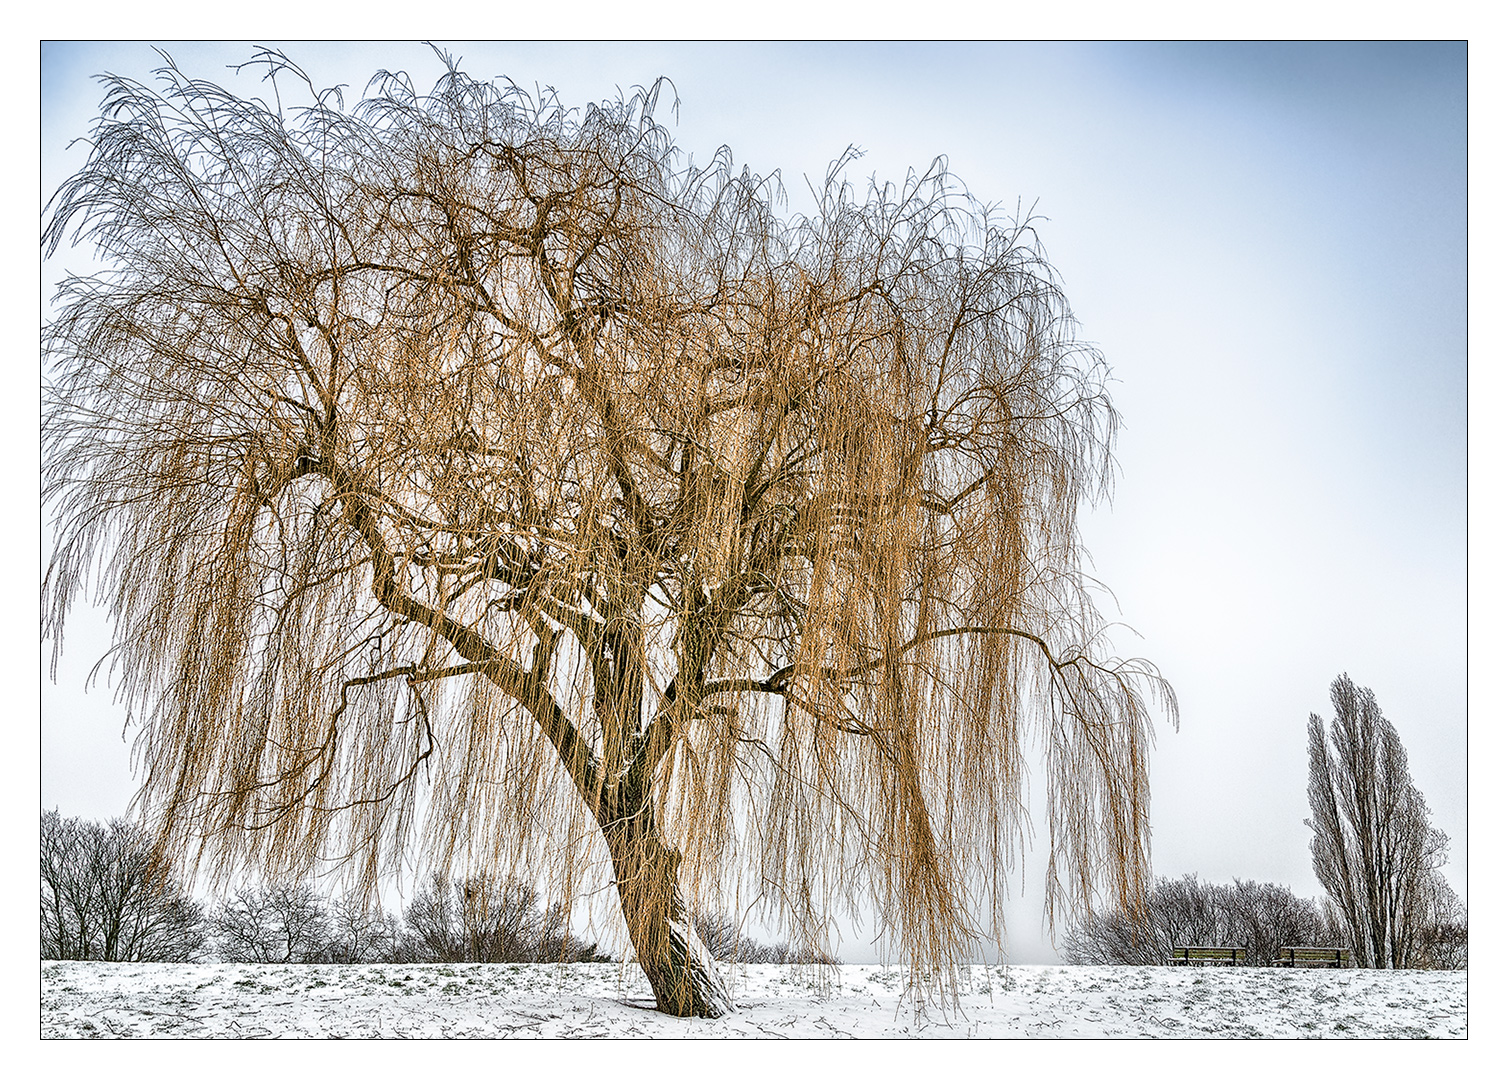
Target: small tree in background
<point>558,944</point>
<point>107,896</point>
<point>1118,935</point>
<point>474,921</point>
<point>273,924</point>
<point>1264,917</point>
<point>1442,944</point>
<point>1186,911</point>
<point>1374,850</point>
<point>361,933</point>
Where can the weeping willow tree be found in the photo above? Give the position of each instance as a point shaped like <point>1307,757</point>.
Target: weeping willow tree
<point>470,475</point>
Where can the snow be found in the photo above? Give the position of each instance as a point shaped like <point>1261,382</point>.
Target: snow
<point>586,1001</point>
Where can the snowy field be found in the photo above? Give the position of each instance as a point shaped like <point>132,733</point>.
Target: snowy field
<point>590,1001</point>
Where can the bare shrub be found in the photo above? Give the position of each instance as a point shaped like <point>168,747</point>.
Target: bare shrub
<point>481,920</point>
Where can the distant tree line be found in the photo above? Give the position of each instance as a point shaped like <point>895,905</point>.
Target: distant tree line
<point>1374,852</point>
<point>106,896</point>
<point>478,920</point>
<point>1259,917</point>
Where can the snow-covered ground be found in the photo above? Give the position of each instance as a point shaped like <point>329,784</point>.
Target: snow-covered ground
<point>195,1001</point>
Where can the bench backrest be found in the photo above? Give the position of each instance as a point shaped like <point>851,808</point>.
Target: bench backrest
<point>1315,954</point>
<point>1208,952</point>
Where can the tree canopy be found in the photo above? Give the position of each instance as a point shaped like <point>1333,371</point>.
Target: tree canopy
<point>467,471</point>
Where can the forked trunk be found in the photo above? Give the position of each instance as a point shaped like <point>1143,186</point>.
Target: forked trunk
<point>680,970</point>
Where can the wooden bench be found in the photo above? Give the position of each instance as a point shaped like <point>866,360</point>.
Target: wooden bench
<point>1311,956</point>
<point>1202,954</point>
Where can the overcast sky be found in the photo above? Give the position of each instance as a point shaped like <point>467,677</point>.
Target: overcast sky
<point>1268,243</point>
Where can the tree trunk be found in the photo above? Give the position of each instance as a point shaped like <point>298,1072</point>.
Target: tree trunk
<point>680,970</point>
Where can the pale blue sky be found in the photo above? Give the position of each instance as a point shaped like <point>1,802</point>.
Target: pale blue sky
<point>1268,242</point>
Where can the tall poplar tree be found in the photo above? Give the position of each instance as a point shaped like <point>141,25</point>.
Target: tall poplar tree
<point>1374,849</point>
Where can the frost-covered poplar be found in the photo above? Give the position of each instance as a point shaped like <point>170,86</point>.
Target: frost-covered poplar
<point>1374,849</point>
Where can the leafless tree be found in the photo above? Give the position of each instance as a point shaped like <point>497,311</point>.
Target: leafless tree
<point>1186,911</point>
<point>1442,942</point>
<point>359,932</point>
<point>461,468</point>
<point>1374,849</point>
<point>273,924</point>
<point>1116,935</point>
<point>107,896</point>
<point>1263,917</point>
<point>721,936</point>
